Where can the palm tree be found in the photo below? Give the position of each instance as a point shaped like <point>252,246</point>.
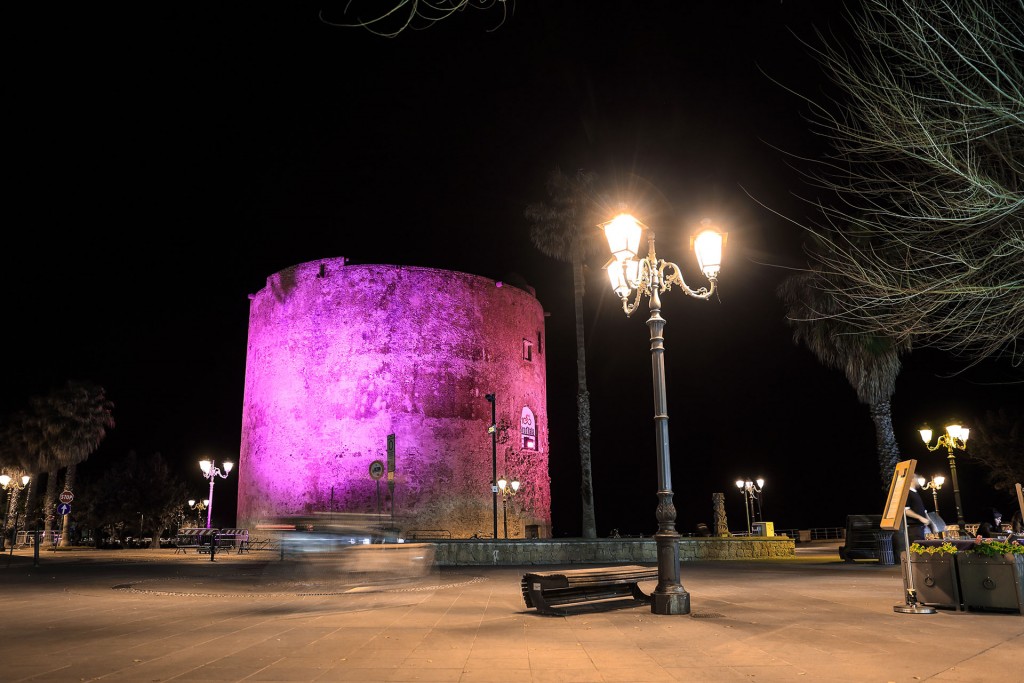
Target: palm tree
<point>74,419</point>
<point>870,361</point>
<point>19,446</point>
<point>564,230</point>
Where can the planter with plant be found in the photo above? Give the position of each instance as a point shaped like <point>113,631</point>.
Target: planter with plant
<point>992,576</point>
<point>936,579</point>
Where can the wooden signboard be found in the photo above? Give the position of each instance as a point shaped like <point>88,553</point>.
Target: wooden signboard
<point>892,516</point>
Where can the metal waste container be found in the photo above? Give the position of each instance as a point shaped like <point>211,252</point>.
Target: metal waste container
<point>885,554</point>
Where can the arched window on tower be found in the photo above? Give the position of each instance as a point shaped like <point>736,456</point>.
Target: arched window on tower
<point>528,430</point>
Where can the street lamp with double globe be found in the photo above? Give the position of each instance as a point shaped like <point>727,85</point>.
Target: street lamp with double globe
<point>508,490</point>
<point>955,439</point>
<point>211,472</point>
<point>650,276</point>
<point>751,496</point>
<point>12,488</point>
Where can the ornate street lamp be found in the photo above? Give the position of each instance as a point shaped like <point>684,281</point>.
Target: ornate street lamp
<point>935,484</point>
<point>12,488</point>
<point>198,506</point>
<point>751,495</point>
<point>508,490</point>
<point>211,472</point>
<point>650,276</point>
<point>954,439</point>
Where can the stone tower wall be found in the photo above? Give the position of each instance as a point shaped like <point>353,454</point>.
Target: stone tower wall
<point>341,356</point>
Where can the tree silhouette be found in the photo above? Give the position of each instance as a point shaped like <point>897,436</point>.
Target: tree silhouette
<point>927,170</point>
<point>566,230</point>
<point>869,361</point>
<point>73,420</point>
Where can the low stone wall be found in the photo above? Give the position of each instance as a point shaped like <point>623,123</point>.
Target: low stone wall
<point>605,550</point>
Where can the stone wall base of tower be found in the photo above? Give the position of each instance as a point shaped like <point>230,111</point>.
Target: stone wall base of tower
<point>600,551</point>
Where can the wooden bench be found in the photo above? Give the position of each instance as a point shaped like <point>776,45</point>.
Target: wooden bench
<point>544,590</point>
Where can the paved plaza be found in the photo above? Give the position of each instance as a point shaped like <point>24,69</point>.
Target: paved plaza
<point>152,615</point>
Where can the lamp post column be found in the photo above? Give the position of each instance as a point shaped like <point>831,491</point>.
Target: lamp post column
<point>504,515</point>
<point>669,597</point>
<point>209,505</point>
<point>956,490</point>
<point>494,463</point>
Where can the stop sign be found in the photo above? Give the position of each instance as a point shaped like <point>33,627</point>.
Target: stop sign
<point>66,496</point>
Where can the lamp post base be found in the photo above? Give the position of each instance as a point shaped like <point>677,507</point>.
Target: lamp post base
<point>669,597</point>
<point>673,602</point>
<point>913,609</point>
<point>912,606</point>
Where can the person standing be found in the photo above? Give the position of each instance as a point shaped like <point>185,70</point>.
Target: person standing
<point>916,519</point>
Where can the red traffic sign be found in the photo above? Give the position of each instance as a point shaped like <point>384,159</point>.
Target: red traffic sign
<point>376,469</point>
<point>66,496</point>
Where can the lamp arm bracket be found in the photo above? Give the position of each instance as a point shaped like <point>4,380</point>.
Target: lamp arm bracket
<point>670,274</point>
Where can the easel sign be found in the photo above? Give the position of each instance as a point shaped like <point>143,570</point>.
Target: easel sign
<point>892,517</point>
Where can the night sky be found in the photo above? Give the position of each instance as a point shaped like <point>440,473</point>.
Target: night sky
<point>167,160</point>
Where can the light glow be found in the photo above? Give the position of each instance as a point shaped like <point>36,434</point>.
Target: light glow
<point>708,246</point>
<point>623,235</point>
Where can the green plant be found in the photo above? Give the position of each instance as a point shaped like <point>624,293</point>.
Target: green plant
<point>991,547</point>
<point>944,549</point>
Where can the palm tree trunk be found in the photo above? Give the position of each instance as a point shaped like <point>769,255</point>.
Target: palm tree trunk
<point>11,507</point>
<point>589,522</point>
<point>50,500</point>
<point>69,485</point>
<point>31,494</point>
<point>885,439</point>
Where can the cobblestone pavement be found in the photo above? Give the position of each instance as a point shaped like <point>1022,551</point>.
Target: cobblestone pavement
<point>151,616</point>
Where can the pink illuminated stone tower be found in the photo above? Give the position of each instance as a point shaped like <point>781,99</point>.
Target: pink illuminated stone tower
<point>340,356</point>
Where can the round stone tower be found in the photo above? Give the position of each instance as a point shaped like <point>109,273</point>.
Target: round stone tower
<point>340,357</point>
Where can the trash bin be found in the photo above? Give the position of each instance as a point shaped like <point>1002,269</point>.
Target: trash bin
<point>885,555</point>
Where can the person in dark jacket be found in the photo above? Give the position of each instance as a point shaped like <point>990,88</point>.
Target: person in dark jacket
<point>992,526</point>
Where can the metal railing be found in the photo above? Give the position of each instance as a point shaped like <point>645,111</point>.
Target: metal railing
<point>816,534</point>
<point>27,538</point>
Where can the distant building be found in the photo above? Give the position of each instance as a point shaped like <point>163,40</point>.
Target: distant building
<point>341,356</point>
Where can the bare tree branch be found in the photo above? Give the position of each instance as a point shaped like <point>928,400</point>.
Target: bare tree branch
<point>926,240</point>
<point>390,19</point>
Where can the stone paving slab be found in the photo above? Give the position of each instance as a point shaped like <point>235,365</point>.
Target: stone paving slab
<point>151,616</point>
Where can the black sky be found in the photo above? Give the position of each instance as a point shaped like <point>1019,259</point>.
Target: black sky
<point>167,160</point>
